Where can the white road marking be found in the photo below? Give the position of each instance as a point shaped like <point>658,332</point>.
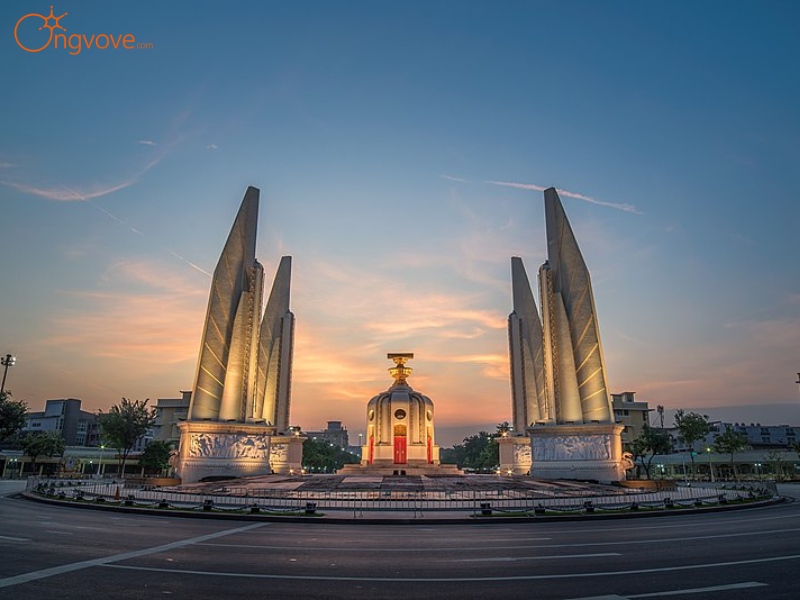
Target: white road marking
<point>14,539</point>
<point>456,579</point>
<point>95,562</point>
<point>705,590</point>
<point>373,550</point>
<point>414,549</point>
<point>518,558</point>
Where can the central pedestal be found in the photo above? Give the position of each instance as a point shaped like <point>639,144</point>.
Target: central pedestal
<point>588,452</point>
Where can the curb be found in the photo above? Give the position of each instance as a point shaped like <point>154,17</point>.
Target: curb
<point>328,520</point>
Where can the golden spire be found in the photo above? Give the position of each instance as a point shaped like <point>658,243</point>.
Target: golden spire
<point>401,371</point>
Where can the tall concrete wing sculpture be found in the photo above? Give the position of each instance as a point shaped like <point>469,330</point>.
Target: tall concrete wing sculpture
<point>275,348</point>
<point>557,369</point>
<point>527,353</point>
<point>239,411</point>
<point>232,307</point>
<point>574,332</point>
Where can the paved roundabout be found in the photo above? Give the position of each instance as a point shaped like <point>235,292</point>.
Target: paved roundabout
<point>64,552</point>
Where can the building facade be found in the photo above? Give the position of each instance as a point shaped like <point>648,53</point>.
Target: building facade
<point>169,413</point>
<point>631,414</point>
<point>64,416</point>
<point>334,434</point>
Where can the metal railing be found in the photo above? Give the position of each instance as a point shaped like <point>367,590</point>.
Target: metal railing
<point>416,502</point>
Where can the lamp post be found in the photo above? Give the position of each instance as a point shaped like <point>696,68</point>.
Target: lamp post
<point>9,360</point>
<point>710,466</point>
<point>758,470</point>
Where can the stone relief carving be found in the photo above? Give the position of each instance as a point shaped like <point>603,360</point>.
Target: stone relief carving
<point>627,461</point>
<point>280,452</point>
<point>570,447</point>
<point>221,445</point>
<point>522,454</point>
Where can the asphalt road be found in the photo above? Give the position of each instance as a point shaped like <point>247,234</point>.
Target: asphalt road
<point>56,552</point>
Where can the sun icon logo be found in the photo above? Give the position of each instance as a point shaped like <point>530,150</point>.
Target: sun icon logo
<point>47,24</point>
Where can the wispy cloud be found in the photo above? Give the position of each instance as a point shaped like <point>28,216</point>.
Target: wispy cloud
<point>452,178</point>
<point>76,193</point>
<point>211,147</point>
<point>140,313</point>
<point>62,193</point>
<point>539,188</point>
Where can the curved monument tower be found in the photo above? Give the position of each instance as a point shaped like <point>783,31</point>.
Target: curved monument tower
<point>558,381</point>
<point>239,410</point>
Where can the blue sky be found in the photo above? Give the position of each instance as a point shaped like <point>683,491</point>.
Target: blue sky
<point>383,136</point>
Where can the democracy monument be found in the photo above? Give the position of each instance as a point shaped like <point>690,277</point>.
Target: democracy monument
<point>238,419</point>
<point>561,407</point>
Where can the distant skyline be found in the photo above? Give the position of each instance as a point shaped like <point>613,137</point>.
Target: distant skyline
<point>401,150</point>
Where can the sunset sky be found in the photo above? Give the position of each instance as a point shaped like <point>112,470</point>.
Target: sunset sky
<point>401,149</point>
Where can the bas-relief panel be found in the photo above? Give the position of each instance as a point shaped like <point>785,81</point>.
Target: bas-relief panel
<point>227,445</point>
<point>522,454</point>
<point>569,447</point>
<point>280,452</point>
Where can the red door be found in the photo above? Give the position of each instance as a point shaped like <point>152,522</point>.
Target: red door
<point>430,450</point>
<point>371,449</point>
<point>399,449</point>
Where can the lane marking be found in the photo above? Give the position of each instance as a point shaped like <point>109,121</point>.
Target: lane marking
<point>373,549</point>
<point>686,524</point>
<point>14,539</point>
<point>518,558</point>
<point>95,562</point>
<point>515,546</point>
<point>715,588</point>
<point>456,579</point>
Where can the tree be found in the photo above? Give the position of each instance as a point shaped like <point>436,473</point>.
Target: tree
<point>324,457</point>
<point>479,452</point>
<point>124,424</point>
<point>12,416</point>
<point>730,442</point>
<point>693,427</point>
<point>42,443</point>
<point>777,463</point>
<point>650,442</point>
<point>156,455</point>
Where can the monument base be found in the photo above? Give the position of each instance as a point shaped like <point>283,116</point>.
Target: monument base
<point>286,454</point>
<point>515,455</point>
<point>587,452</point>
<point>215,449</point>
<point>412,468</point>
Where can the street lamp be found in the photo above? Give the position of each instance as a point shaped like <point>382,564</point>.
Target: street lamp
<point>9,360</point>
<point>710,466</point>
<point>100,461</point>
<point>758,470</point>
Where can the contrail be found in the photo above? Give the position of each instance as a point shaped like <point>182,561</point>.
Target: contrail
<point>540,188</point>
<point>79,196</point>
